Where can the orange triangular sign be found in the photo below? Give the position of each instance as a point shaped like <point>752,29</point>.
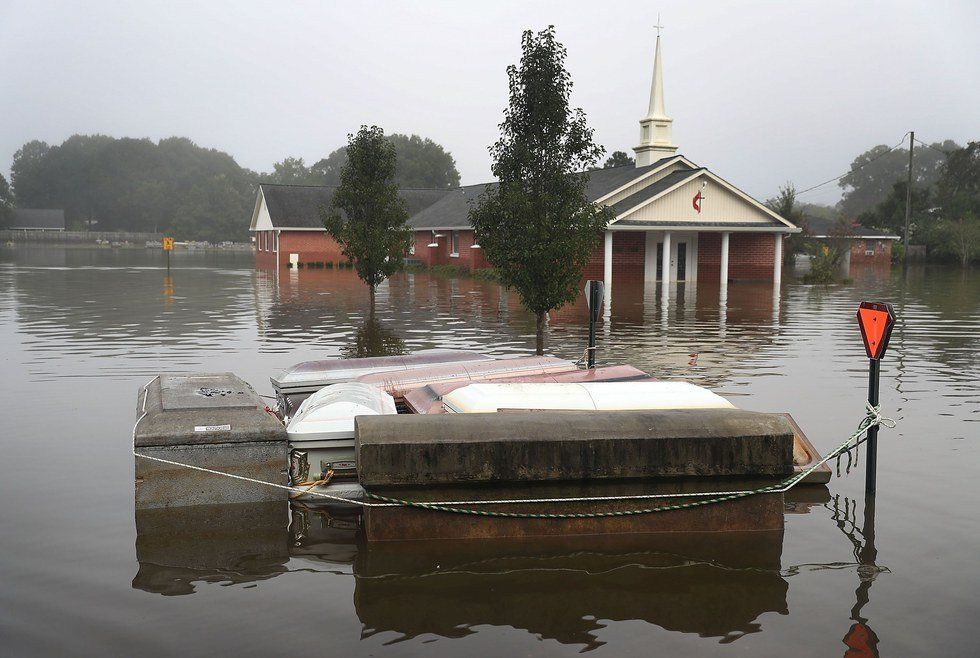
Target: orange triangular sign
<point>876,320</point>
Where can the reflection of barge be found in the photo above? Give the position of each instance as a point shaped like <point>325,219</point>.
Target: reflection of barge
<point>499,434</point>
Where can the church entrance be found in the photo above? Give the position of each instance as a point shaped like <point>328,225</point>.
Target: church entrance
<point>678,261</point>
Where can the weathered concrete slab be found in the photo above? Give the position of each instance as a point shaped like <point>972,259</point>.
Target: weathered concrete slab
<point>548,446</point>
<point>213,421</point>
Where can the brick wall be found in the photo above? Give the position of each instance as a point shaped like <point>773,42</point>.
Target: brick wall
<point>750,255</point>
<point>629,257</point>
<point>882,251</point>
<point>312,247</point>
<point>468,256</point>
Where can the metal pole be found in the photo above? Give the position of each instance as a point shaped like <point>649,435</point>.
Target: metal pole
<point>168,261</point>
<point>871,461</point>
<point>908,204</point>
<point>594,301</point>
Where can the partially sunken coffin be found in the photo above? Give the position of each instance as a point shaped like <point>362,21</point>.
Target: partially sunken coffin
<point>213,421</point>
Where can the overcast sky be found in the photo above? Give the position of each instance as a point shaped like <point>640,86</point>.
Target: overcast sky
<point>760,92</point>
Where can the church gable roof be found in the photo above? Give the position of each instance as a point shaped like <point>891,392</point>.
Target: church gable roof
<point>452,210</point>
<point>670,202</point>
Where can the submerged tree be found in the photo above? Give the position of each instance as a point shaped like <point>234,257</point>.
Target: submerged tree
<point>368,217</point>
<point>785,205</point>
<point>827,255</point>
<point>537,226</point>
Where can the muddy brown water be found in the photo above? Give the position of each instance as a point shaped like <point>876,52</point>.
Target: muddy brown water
<point>81,329</point>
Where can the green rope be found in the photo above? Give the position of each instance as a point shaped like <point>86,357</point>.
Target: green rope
<point>872,419</point>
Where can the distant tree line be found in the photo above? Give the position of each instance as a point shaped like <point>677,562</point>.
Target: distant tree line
<point>945,215</point>
<point>176,186</point>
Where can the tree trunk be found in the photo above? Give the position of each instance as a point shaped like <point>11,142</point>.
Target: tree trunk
<point>373,292</point>
<point>539,348</point>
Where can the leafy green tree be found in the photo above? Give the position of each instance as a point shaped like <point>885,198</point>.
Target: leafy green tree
<point>6,203</point>
<point>422,163</point>
<point>537,226</point>
<point>889,215</point>
<point>368,218</point>
<point>874,173</point>
<point>958,193</point>
<point>292,171</point>
<point>29,176</point>
<point>137,185</point>
<point>618,159</point>
<point>327,170</point>
<point>784,205</point>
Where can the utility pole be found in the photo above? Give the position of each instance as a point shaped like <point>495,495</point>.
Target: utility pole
<point>908,205</point>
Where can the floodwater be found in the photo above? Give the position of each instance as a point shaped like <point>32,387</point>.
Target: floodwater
<point>81,329</point>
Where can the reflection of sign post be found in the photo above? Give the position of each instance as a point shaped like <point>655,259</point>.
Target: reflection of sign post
<point>593,297</point>
<point>168,246</point>
<point>876,320</point>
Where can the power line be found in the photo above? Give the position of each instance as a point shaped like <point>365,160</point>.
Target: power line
<point>934,148</point>
<point>877,157</point>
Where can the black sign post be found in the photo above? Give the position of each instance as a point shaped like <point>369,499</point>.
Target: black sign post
<point>876,320</point>
<point>593,297</point>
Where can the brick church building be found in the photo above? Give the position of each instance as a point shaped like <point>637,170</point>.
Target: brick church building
<point>673,219</point>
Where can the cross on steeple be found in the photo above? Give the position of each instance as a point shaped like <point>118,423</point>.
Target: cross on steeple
<point>655,140</point>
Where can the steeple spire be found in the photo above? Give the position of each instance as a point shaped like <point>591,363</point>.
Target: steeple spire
<point>655,139</point>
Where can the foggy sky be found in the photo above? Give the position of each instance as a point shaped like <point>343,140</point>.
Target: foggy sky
<point>760,92</point>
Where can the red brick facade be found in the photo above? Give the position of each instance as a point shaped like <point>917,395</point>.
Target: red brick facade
<point>465,255</point>
<point>870,251</point>
<point>311,246</point>
<point>750,255</point>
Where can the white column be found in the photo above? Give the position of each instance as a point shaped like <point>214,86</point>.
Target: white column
<point>724,264</point>
<point>607,258</point>
<point>650,258</point>
<point>665,270</point>
<point>777,266</point>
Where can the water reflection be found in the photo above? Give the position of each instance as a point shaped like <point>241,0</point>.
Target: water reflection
<point>241,543</point>
<point>860,639</point>
<point>713,587</point>
<point>372,338</point>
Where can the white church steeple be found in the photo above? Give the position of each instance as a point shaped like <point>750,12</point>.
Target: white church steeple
<point>655,140</point>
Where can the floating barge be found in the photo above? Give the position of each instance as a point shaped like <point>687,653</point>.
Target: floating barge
<point>450,444</point>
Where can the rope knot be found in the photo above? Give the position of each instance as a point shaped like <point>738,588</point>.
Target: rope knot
<point>875,417</point>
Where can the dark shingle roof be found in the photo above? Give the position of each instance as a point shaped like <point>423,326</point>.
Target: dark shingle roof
<point>38,218</point>
<point>653,190</point>
<point>821,226</point>
<point>298,206</point>
<point>604,181</point>
<point>452,211</point>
